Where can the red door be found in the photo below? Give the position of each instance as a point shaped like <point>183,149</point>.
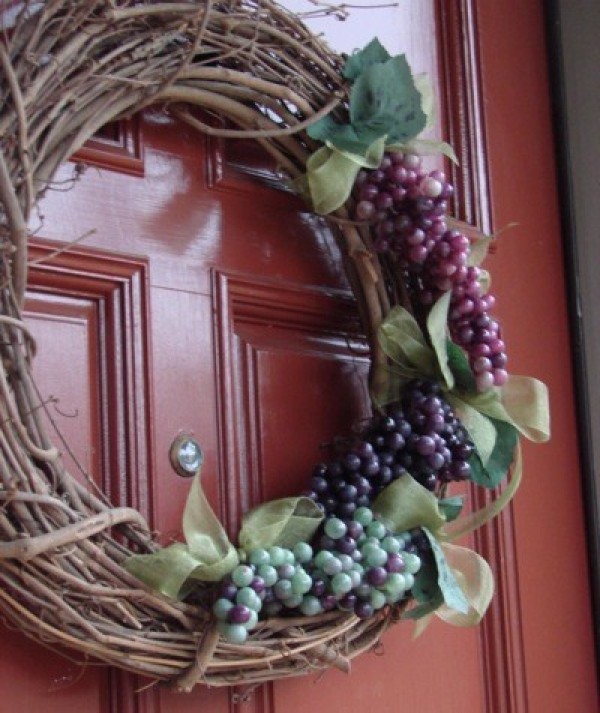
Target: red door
<point>209,301</point>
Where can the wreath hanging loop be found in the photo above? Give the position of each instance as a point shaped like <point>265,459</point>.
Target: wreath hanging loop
<point>67,69</point>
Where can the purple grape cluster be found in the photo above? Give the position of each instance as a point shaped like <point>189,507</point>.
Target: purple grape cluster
<point>438,448</point>
<point>421,435</point>
<point>408,209</point>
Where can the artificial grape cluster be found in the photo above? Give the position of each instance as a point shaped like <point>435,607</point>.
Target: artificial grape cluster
<point>408,209</point>
<point>357,565</point>
<point>438,448</point>
<point>421,435</point>
<point>362,565</point>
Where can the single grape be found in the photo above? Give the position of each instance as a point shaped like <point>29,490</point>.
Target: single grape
<point>311,606</point>
<point>239,614</point>
<point>221,608</point>
<point>242,575</point>
<point>363,609</point>
<point>303,552</point>
<point>259,557</point>
<point>233,633</point>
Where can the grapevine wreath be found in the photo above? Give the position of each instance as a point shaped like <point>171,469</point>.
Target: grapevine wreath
<point>315,579</point>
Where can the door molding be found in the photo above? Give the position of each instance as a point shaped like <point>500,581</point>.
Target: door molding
<point>116,289</point>
<point>503,663</point>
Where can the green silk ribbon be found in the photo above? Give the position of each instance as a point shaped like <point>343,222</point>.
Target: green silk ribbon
<point>331,173</point>
<point>522,402</point>
<point>207,554</point>
<point>405,504</point>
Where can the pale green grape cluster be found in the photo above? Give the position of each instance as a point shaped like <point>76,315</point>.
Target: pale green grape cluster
<point>358,566</point>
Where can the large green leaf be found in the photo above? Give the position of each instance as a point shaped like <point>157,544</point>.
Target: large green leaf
<point>345,137</point>
<point>373,53</point>
<point>385,100</point>
<point>451,507</point>
<point>458,364</point>
<point>496,468</point>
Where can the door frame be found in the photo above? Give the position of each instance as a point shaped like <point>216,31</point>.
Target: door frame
<point>572,54</point>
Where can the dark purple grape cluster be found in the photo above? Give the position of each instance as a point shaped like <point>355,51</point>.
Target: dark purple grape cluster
<point>408,209</point>
<point>421,435</point>
<point>438,448</point>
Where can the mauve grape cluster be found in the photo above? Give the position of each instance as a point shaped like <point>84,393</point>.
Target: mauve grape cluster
<point>421,435</point>
<point>408,208</point>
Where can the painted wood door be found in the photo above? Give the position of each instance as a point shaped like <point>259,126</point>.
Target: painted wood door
<point>208,300</point>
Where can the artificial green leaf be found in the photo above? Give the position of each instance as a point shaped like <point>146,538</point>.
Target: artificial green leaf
<point>422,610</point>
<point>405,504</point>
<point>373,53</point>
<point>451,507</point>
<point>426,587</point>
<point>479,249</point>
<point>490,474</point>
<point>402,340</point>
<point>454,597</point>
<point>503,454</point>
<point>344,137</point>
<point>385,100</point>
<point>480,428</point>
<point>474,520</point>
<point>283,522</point>
<point>437,322</point>
<point>458,364</point>
<point>370,158</point>
<point>322,129</point>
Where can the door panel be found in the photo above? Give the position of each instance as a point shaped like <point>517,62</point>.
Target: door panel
<point>208,300</point>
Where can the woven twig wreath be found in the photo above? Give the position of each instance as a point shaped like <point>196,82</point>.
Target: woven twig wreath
<point>67,70</point>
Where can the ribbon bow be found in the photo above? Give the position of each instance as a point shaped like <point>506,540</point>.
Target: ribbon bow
<point>207,554</point>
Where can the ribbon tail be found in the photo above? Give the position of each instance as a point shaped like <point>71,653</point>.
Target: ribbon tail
<point>206,538</point>
<point>467,524</point>
<point>208,555</point>
<point>522,402</point>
